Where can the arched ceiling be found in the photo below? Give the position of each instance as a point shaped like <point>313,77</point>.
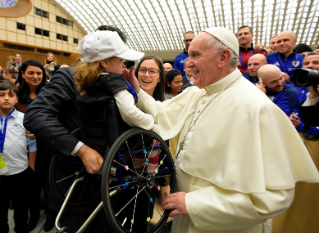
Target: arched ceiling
<point>159,25</point>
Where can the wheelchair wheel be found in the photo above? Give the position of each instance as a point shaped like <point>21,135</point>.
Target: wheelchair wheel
<point>137,167</point>
<point>63,173</point>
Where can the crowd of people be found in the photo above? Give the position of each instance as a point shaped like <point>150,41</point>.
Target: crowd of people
<point>231,107</point>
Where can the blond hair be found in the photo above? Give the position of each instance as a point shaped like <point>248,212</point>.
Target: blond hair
<point>85,75</point>
<point>54,58</point>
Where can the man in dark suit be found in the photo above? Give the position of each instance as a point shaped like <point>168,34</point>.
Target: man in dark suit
<point>52,116</point>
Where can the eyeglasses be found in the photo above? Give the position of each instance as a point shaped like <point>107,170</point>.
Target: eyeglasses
<point>189,40</point>
<point>151,71</point>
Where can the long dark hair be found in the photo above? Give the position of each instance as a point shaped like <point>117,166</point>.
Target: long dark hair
<point>169,78</point>
<point>24,90</point>
<point>160,87</point>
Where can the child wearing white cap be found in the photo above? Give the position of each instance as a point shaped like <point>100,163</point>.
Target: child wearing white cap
<point>100,75</point>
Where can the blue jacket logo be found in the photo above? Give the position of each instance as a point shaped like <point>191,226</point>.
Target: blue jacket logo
<point>295,63</point>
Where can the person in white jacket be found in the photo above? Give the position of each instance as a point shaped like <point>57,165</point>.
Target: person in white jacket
<point>238,155</point>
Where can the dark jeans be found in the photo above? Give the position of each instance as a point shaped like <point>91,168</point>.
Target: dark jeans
<point>17,186</point>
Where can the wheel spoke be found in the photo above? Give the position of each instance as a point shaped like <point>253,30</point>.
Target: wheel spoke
<point>153,204</point>
<point>129,201</point>
<point>75,174</point>
<point>127,168</point>
<point>126,184</point>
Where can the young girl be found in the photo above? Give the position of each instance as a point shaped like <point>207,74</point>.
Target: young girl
<point>51,63</point>
<point>174,84</point>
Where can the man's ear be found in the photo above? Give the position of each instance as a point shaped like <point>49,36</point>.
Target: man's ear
<point>224,58</point>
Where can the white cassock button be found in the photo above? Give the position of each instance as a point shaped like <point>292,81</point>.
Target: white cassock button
<point>203,102</point>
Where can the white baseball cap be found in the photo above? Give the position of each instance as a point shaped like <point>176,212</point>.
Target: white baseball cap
<point>100,45</point>
<point>226,36</point>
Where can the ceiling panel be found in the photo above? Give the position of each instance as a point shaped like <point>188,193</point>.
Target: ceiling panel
<point>154,25</point>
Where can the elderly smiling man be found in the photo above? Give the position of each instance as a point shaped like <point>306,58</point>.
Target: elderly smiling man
<point>234,172</point>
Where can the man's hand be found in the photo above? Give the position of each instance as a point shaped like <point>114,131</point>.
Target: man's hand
<point>285,77</point>
<point>133,80</point>
<point>175,202</point>
<point>261,85</point>
<point>295,120</point>
<point>259,47</point>
<point>91,159</point>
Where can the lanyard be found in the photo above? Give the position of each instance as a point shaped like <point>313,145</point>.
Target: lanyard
<point>3,129</point>
<point>133,92</point>
<point>242,60</point>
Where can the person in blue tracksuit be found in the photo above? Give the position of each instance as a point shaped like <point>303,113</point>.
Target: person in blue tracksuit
<point>272,84</point>
<point>179,60</point>
<point>286,59</point>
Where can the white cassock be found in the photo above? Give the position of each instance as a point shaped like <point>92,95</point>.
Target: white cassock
<point>240,159</point>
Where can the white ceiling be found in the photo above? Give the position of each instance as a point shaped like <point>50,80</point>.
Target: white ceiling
<point>159,25</point>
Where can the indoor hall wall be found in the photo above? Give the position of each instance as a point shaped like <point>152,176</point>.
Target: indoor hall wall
<point>10,34</point>
<point>5,53</point>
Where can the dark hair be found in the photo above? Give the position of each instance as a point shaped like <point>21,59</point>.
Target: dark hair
<point>169,78</point>
<point>160,87</point>
<point>245,26</point>
<point>113,29</point>
<point>5,85</point>
<point>24,90</point>
<point>189,32</point>
<point>301,48</point>
<point>9,71</point>
<point>312,53</point>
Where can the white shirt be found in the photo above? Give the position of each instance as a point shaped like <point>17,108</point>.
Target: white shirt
<point>15,152</point>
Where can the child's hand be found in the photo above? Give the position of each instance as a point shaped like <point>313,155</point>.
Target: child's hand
<point>165,191</point>
<point>133,80</point>
<point>30,135</point>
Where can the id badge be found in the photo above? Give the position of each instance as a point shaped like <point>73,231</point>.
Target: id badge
<point>3,166</point>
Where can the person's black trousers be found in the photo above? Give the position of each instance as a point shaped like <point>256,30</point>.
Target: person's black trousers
<point>17,186</point>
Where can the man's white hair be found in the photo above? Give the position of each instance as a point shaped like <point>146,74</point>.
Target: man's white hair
<point>218,46</point>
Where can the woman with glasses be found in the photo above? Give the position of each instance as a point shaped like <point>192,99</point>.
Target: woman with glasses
<point>150,75</point>
<point>174,84</point>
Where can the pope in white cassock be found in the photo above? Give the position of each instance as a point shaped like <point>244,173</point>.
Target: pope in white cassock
<point>239,156</point>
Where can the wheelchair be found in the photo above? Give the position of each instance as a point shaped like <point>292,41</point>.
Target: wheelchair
<point>135,169</point>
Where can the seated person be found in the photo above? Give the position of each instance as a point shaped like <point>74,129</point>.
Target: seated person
<point>102,89</point>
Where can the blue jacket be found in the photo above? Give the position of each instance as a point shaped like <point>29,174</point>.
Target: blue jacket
<point>179,62</point>
<point>287,100</point>
<point>287,65</point>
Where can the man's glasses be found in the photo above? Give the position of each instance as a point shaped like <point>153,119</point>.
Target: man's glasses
<point>189,40</point>
<point>151,71</point>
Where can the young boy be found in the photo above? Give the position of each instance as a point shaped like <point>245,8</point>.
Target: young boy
<point>16,170</point>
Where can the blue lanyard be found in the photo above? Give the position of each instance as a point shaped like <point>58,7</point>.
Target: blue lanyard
<point>3,129</point>
<point>242,60</point>
<point>131,89</point>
